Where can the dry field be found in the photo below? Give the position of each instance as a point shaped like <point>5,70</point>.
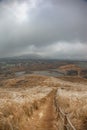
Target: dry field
<point>27,102</point>
<point>69,67</point>
<point>74,79</point>
<point>74,103</point>
<point>72,99</point>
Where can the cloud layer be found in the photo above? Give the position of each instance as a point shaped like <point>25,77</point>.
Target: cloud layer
<point>52,28</point>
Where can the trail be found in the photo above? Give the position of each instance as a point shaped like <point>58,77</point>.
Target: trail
<point>45,117</point>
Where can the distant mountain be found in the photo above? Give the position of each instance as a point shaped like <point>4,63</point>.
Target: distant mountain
<point>30,56</point>
<point>25,56</point>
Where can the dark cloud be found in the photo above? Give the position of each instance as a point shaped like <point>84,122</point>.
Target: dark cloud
<point>29,26</point>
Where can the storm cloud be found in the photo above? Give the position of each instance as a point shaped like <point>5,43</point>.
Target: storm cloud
<point>50,28</point>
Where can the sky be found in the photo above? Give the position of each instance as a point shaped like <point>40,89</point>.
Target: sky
<point>54,29</point>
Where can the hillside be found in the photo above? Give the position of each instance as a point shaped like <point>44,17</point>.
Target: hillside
<point>30,102</point>
<point>70,67</point>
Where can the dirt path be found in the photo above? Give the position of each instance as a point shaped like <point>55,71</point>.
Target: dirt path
<point>44,118</point>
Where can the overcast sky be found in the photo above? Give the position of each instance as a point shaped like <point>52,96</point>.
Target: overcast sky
<point>50,28</point>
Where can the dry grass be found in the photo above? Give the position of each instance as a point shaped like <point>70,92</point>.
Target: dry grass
<point>23,81</point>
<point>74,79</point>
<point>16,117</point>
<point>17,104</point>
<point>21,97</point>
<point>74,103</point>
<point>28,82</point>
<point>69,67</point>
